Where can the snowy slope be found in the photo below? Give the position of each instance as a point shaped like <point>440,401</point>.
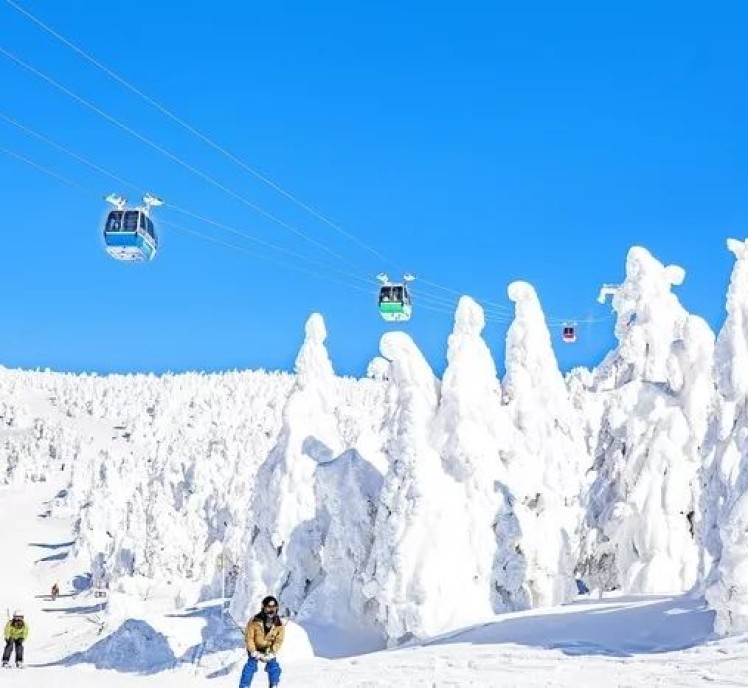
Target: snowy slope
<point>647,640</point>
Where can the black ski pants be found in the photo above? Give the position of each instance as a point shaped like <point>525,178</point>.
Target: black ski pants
<point>9,650</point>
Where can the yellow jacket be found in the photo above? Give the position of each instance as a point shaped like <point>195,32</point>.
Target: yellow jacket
<point>13,632</point>
<point>259,641</point>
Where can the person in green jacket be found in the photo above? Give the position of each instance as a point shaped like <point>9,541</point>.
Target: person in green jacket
<point>16,631</point>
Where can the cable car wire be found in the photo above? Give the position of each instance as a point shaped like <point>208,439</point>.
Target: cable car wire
<point>46,170</point>
<point>205,237</point>
<point>171,155</point>
<point>202,236</point>
<point>426,298</point>
<point>203,137</point>
<point>214,240</point>
<point>244,165</point>
<point>501,308</point>
<point>434,301</point>
<point>175,208</point>
<point>423,302</point>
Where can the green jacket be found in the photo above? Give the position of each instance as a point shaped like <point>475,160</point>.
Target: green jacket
<point>13,632</point>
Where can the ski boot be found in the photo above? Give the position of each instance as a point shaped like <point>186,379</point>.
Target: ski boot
<point>6,665</point>
<point>19,665</point>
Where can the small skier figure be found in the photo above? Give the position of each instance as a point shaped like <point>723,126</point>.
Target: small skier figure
<point>16,631</point>
<point>264,637</point>
<point>55,591</point>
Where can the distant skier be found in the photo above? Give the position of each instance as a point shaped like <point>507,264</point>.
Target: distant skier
<point>55,591</point>
<point>264,637</point>
<point>16,631</point>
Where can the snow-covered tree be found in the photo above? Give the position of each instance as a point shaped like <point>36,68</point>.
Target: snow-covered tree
<point>378,368</point>
<point>283,554</point>
<point>724,526</point>
<point>655,388</point>
<point>347,492</point>
<point>472,428</point>
<point>546,458</point>
<point>406,504</point>
<point>408,571</point>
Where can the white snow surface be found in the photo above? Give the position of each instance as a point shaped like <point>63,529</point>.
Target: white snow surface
<point>417,531</point>
<point>641,640</point>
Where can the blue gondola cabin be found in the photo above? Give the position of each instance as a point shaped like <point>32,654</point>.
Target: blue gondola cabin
<point>129,235</point>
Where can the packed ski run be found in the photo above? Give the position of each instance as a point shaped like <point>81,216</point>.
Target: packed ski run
<point>475,530</point>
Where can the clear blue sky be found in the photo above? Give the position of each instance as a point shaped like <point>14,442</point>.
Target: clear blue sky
<point>472,144</point>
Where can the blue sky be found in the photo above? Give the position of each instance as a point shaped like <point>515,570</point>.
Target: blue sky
<point>471,144</point>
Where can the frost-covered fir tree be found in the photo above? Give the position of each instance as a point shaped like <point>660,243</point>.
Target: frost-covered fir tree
<point>151,483</point>
<point>283,553</point>
<point>724,526</point>
<point>547,457</point>
<point>412,534</point>
<point>471,429</point>
<point>431,562</point>
<point>347,492</point>
<point>655,387</point>
<point>147,457</point>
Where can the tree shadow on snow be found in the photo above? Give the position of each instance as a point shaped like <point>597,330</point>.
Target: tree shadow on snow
<point>57,556</point>
<point>88,609</point>
<point>48,545</point>
<point>219,634</point>
<point>135,647</point>
<point>54,557</point>
<point>82,582</point>
<point>333,642</point>
<point>622,627</point>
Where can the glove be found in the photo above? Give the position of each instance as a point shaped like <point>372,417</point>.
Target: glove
<point>256,655</point>
<point>269,656</point>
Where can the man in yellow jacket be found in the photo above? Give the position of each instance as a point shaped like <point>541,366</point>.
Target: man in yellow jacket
<point>264,637</point>
<point>16,631</point>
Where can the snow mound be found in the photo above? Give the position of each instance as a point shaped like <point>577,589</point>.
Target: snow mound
<point>296,644</point>
<point>135,647</point>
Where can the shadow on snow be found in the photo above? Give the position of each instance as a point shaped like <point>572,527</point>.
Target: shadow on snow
<point>621,627</point>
